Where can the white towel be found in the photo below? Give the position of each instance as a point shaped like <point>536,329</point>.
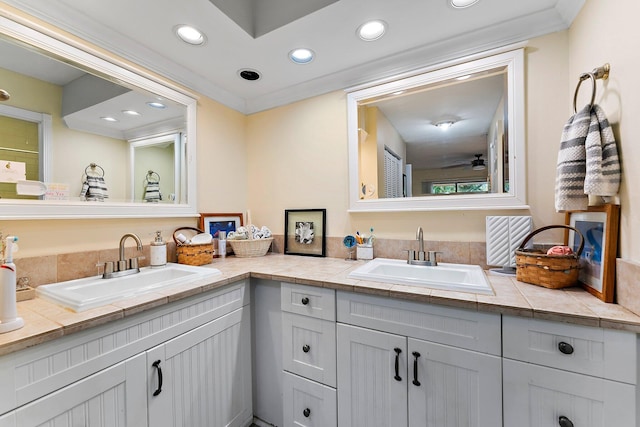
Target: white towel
<point>588,162</point>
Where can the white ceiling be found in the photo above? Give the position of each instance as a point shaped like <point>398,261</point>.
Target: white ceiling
<point>420,33</point>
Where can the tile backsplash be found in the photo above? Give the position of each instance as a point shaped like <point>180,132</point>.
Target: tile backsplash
<point>61,267</point>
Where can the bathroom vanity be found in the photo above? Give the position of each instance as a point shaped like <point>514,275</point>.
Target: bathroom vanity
<point>293,341</point>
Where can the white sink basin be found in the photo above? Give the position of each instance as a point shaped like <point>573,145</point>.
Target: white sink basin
<point>91,292</point>
<point>451,277</point>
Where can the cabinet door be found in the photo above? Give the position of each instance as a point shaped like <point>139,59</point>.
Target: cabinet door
<point>113,397</point>
<point>372,378</point>
<point>453,387</point>
<point>537,396</point>
<point>206,376</point>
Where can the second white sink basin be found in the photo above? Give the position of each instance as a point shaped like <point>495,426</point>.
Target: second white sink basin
<point>91,292</point>
<point>451,277</point>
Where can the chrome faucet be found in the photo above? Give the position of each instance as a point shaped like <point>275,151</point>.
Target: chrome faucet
<point>419,258</point>
<point>123,266</point>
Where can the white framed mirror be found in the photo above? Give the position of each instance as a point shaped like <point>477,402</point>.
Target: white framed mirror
<point>445,138</point>
<point>89,84</point>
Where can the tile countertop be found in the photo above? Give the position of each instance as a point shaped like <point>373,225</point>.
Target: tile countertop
<point>45,321</point>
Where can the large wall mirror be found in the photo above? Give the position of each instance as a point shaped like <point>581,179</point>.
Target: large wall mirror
<point>76,119</point>
<point>450,137</point>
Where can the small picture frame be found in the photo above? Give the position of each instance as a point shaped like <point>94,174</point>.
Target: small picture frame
<point>305,232</point>
<point>213,223</point>
<point>599,228</point>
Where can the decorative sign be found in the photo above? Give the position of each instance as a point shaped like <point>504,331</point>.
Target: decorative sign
<point>12,171</point>
<point>56,191</point>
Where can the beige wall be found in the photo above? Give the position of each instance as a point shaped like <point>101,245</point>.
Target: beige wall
<point>607,31</point>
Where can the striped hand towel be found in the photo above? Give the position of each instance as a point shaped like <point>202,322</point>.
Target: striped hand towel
<point>603,163</point>
<point>588,162</point>
<point>152,192</point>
<point>94,188</point>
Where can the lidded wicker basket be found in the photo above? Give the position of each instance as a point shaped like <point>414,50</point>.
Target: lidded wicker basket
<point>550,271</point>
<point>193,254</point>
<point>251,247</point>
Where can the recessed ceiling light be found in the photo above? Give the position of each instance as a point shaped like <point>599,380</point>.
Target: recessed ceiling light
<point>131,113</point>
<point>109,119</point>
<point>372,30</point>
<point>158,105</point>
<point>301,55</point>
<point>249,74</point>
<point>461,4</point>
<point>190,35</point>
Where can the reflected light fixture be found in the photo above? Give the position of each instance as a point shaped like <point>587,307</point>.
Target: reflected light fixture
<point>158,105</point>
<point>478,164</point>
<point>461,4</point>
<point>190,35</point>
<point>372,30</point>
<point>109,119</point>
<point>445,124</point>
<point>301,55</point>
<point>131,113</point>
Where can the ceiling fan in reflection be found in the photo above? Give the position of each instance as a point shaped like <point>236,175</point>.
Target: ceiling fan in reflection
<point>476,164</point>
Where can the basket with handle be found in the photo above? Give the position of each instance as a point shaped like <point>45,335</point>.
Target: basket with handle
<point>551,271</point>
<point>193,254</point>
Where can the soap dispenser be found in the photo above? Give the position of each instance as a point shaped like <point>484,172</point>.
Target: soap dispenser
<point>158,251</point>
<point>9,319</point>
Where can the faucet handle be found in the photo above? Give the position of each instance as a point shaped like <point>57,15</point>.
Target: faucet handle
<point>433,256</point>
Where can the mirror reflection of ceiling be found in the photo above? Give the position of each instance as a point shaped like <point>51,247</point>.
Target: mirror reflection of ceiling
<point>87,99</point>
<point>469,104</point>
<point>419,33</point>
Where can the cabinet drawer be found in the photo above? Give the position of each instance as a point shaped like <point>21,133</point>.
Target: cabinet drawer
<point>587,350</point>
<point>468,329</point>
<point>536,396</point>
<point>308,404</point>
<point>309,300</point>
<point>309,347</point>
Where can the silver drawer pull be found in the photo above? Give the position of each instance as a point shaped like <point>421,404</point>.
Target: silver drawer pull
<point>565,347</point>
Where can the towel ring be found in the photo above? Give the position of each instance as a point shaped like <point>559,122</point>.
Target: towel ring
<point>150,175</point>
<point>584,77</point>
<point>596,73</point>
<point>93,167</point>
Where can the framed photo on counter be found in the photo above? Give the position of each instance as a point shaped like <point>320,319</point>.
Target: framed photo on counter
<point>305,232</point>
<point>599,228</point>
<point>215,222</point>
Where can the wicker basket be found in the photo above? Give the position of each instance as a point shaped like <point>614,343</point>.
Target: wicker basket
<point>198,254</point>
<point>550,271</point>
<point>250,248</point>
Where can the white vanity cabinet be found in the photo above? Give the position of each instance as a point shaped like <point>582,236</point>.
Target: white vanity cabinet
<point>115,396</point>
<point>568,375</point>
<point>398,365</point>
<point>102,376</point>
<point>206,375</point>
<point>309,356</point>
